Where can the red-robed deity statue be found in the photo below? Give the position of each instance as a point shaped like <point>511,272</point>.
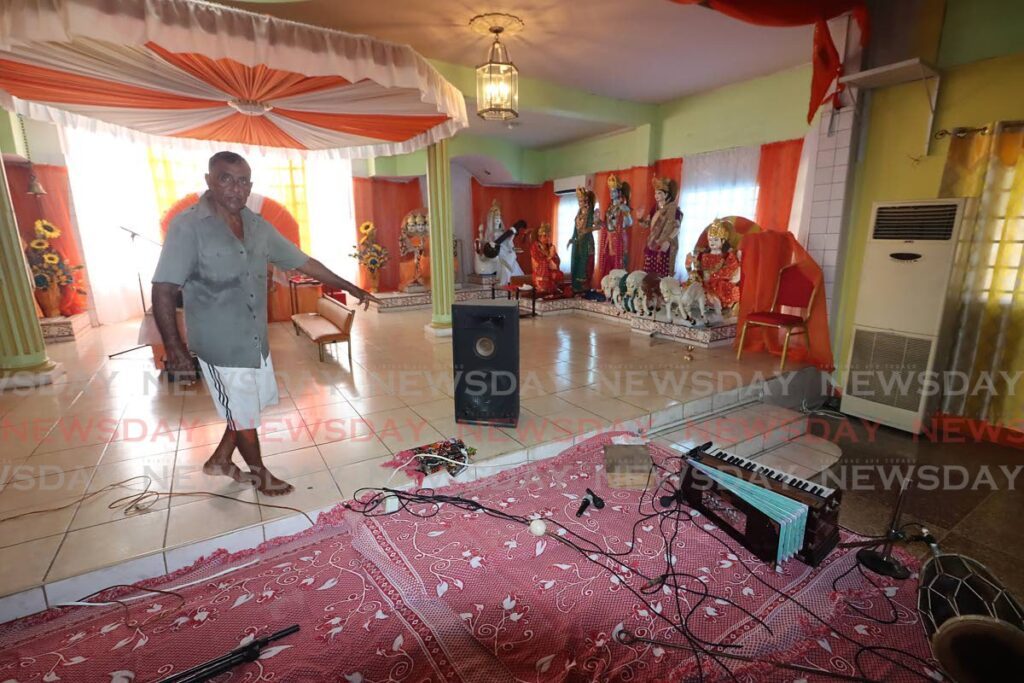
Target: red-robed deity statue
<point>718,271</point>
<point>547,272</point>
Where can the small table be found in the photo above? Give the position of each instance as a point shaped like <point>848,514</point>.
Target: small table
<point>510,289</point>
<point>294,283</point>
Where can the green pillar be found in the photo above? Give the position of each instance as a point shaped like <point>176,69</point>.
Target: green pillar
<point>442,242</point>
<point>21,339</point>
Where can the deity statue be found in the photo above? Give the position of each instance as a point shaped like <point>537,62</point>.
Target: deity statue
<point>663,242</point>
<point>715,273</point>
<point>412,241</point>
<point>482,264</point>
<point>547,272</point>
<point>618,218</point>
<point>582,242</point>
<point>495,249</point>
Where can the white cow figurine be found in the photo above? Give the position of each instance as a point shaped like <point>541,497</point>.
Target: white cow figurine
<point>610,285</point>
<point>634,290</point>
<point>695,297</point>
<point>672,293</point>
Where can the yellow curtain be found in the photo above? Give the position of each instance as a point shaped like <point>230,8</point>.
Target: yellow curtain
<point>989,348</point>
<point>178,172</point>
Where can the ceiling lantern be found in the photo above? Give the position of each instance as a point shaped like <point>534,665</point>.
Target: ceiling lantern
<point>497,80</point>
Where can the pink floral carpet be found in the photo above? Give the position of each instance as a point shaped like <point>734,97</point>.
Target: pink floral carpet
<point>466,596</point>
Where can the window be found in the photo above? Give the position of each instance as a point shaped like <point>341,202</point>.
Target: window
<point>568,207</point>
<point>715,184</point>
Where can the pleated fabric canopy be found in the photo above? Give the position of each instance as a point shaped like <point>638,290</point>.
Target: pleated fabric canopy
<point>198,71</point>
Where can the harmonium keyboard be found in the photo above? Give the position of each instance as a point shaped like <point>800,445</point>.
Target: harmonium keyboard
<point>774,515</point>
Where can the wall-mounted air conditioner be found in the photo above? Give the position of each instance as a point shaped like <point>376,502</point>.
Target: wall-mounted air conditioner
<point>907,301</point>
<point>569,185</point>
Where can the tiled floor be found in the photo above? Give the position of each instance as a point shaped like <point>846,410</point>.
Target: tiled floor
<point>66,448</point>
<point>110,420</point>
<point>973,507</point>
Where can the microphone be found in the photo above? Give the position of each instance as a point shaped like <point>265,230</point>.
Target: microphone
<point>674,497</point>
<point>589,499</point>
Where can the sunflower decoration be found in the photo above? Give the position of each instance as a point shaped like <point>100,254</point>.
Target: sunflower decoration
<point>370,255</point>
<point>47,230</point>
<point>48,266</point>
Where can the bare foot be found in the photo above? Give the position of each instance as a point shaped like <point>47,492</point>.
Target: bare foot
<point>217,468</point>
<point>269,485</point>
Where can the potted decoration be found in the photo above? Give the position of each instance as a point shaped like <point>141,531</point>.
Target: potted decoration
<point>371,256</point>
<point>50,271</point>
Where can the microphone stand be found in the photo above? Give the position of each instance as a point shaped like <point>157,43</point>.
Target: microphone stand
<point>226,662</point>
<point>883,561</point>
<point>138,275</point>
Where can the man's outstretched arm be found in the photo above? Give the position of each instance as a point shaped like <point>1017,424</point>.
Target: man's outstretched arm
<point>319,271</point>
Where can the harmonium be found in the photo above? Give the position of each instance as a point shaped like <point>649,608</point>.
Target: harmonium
<point>774,515</point>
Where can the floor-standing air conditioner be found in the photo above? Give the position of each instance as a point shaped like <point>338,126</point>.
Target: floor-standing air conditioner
<point>907,301</point>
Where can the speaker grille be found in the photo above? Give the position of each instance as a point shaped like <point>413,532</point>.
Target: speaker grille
<point>485,356</point>
<point>888,369</point>
<point>915,222</point>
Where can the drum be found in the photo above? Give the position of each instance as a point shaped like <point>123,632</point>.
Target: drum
<point>975,626</point>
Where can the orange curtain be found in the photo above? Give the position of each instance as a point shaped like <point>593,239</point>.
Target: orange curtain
<point>824,56</point>
<point>385,203</point>
<point>641,198</point>
<point>764,255</point>
<point>274,212</point>
<point>535,205</point>
<point>279,306</point>
<point>776,183</point>
<point>53,206</point>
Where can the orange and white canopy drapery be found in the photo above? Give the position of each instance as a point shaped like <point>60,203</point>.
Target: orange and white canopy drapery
<point>193,70</point>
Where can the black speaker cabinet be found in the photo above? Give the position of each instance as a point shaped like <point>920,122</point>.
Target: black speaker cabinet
<point>485,350</point>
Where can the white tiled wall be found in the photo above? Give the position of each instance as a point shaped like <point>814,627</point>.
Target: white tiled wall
<point>832,173</point>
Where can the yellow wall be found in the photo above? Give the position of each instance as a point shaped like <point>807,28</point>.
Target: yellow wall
<point>894,164</point>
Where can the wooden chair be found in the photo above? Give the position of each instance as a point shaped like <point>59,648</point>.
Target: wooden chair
<point>792,289</point>
<point>332,323</point>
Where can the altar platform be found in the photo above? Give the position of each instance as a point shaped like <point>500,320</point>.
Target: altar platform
<point>63,534</point>
<point>395,302</point>
<point>658,325</point>
<point>704,337</point>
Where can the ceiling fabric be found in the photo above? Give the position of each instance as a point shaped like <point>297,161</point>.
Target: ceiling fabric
<point>210,74</point>
<point>825,59</point>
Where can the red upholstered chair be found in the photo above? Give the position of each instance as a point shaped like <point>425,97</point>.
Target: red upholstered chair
<point>793,289</point>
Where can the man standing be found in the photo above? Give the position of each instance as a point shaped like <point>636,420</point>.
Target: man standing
<point>217,253</point>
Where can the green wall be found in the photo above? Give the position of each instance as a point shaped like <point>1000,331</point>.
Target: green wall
<point>555,99</point>
<point>749,113</point>
<point>524,165</point>
<point>604,153</point>
<point>753,112</point>
<point>894,166</point>
<point>980,29</point>
<point>11,140</point>
<point>760,110</point>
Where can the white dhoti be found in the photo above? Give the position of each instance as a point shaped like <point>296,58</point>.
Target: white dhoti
<point>241,394</point>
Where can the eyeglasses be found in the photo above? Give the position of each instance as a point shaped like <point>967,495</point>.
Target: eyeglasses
<point>227,180</point>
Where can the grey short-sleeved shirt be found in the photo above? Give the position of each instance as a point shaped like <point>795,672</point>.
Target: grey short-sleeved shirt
<point>224,281</point>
